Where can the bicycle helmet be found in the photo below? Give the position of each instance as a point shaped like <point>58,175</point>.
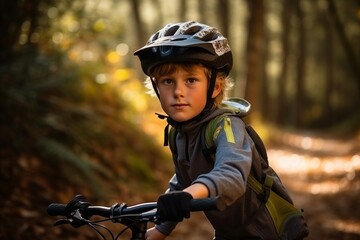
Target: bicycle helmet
<point>186,42</point>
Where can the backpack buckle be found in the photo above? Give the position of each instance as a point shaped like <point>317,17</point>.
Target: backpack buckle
<point>266,188</point>
<point>241,106</point>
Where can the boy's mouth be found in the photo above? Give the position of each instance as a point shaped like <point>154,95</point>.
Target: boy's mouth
<point>180,105</point>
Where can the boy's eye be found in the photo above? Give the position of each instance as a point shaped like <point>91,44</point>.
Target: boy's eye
<point>191,80</point>
<point>167,81</point>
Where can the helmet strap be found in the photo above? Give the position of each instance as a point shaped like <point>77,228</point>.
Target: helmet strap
<point>155,87</point>
<point>209,99</point>
<point>212,83</point>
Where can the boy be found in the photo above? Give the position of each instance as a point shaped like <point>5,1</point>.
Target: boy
<point>188,65</point>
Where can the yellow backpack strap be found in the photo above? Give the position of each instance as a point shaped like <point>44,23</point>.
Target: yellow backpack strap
<point>279,209</point>
<point>208,133</point>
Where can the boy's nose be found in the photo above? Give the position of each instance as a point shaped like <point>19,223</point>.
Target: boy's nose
<point>179,90</point>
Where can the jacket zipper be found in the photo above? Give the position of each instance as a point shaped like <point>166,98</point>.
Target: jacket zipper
<point>187,148</point>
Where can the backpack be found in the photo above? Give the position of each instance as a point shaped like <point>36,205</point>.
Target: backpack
<point>263,180</point>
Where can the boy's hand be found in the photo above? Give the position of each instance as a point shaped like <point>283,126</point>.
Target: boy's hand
<point>174,206</point>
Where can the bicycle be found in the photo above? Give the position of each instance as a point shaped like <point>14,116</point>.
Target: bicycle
<point>78,212</point>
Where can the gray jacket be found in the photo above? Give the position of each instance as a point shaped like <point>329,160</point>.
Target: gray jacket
<point>225,177</point>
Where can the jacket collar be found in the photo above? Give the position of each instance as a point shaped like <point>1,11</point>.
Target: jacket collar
<point>191,124</point>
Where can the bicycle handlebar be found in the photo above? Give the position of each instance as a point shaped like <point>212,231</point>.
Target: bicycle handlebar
<point>203,204</point>
<point>78,213</point>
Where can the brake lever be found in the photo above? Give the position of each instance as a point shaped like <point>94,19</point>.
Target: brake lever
<point>156,219</point>
<point>77,220</point>
<point>62,222</point>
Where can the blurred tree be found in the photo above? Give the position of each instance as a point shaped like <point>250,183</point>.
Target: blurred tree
<point>281,100</point>
<point>254,50</point>
<point>329,62</point>
<point>344,40</point>
<point>139,25</point>
<point>202,9</point>
<point>300,67</point>
<point>182,11</point>
<point>224,16</point>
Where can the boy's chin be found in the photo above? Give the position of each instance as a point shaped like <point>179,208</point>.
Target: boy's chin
<point>180,119</point>
<point>182,116</point>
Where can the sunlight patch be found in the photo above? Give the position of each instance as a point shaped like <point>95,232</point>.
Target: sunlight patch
<point>348,226</point>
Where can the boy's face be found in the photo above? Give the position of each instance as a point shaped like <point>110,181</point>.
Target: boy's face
<point>183,92</point>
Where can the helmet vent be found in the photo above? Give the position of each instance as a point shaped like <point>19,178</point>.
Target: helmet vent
<point>207,35</point>
<point>154,37</point>
<point>178,39</point>
<point>192,30</point>
<point>171,31</point>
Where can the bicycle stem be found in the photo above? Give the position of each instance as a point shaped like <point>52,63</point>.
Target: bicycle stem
<point>138,230</point>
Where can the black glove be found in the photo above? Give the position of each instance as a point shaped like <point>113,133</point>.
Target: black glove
<point>174,206</point>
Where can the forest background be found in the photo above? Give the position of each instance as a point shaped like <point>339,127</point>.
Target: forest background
<point>75,116</point>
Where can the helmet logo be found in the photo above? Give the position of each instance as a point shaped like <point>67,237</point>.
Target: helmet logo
<point>165,51</point>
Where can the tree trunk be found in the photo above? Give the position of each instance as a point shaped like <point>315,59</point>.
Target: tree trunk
<point>345,43</point>
<point>182,11</point>
<point>13,15</point>
<point>254,54</point>
<point>202,9</point>
<point>300,69</point>
<point>223,6</point>
<point>266,108</point>
<point>139,29</point>
<point>281,106</point>
<point>329,70</point>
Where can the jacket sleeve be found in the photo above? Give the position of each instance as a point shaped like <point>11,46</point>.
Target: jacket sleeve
<point>233,158</point>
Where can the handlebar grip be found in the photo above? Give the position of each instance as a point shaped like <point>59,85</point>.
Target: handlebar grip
<point>206,204</point>
<point>56,209</point>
